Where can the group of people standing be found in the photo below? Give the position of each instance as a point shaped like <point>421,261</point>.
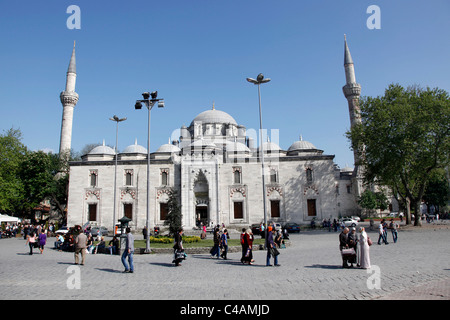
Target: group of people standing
<point>355,249</point>
<point>383,228</point>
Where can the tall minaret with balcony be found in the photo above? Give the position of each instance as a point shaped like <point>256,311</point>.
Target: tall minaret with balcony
<point>69,99</point>
<point>352,91</point>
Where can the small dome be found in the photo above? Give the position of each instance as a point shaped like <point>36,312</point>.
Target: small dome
<point>302,145</point>
<point>214,116</point>
<point>170,148</point>
<point>270,146</point>
<point>236,147</point>
<point>135,148</point>
<point>103,149</point>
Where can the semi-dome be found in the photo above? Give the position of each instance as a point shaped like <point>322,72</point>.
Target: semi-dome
<point>214,116</point>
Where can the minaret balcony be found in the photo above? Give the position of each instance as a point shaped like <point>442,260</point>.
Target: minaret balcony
<point>352,90</point>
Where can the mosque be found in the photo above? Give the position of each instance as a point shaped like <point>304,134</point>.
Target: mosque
<point>216,168</point>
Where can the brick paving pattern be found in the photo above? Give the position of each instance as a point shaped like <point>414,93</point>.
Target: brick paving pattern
<point>416,267</point>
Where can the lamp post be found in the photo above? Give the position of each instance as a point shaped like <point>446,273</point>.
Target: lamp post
<point>149,103</point>
<point>117,120</point>
<point>259,80</point>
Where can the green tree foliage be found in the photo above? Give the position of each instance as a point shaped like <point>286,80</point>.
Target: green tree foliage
<point>174,216</point>
<point>437,190</point>
<point>371,201</point>
<point>12,153</point>
<point>404,138</point>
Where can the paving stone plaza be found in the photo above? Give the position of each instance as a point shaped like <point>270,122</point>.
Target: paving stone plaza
<point>416,267</point>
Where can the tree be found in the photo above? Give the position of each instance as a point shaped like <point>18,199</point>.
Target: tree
<point>404,136</point>
<point>12,152</point>
<point>174,216</point>
<point>371,200</point>
<point>437,191</point>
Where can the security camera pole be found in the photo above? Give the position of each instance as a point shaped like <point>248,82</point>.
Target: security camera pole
<point>260,79</point>
<point>149,103</point>
<point>117,120</point>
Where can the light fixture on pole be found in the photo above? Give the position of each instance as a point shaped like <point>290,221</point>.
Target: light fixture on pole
<point>149,103</point>
<point>259,80</point>
<point>117,120</point>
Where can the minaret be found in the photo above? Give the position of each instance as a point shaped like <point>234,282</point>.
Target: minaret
<point>352,91</point>
<point>69,99</point>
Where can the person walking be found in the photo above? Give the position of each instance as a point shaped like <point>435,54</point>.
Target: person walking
<point>215,250</point>
<point>271,248</point>
<point>128,252</point>
<point>178,250</point>
<point>42,241</point>
<point>80,247</point>
<point>364,245</point>
<point>248,247</point>
<point>382,233</point>
<point>224,243</point>
<point>394,226</point>
<point>31,240</point>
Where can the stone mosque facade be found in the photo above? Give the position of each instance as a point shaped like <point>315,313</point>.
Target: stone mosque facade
<point>216,169</point>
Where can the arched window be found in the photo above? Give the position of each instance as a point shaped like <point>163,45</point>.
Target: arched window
<point>273,175</point>
<point>164,179</point>
<point>309,175</point>
<point>128,179</point>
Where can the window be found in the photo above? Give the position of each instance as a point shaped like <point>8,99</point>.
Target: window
<point>163,210</point>
<point>128,210</point>
<point>237,175</point>
<point>128,177</point>
<point>349,188</point>
<point>309,175</point>
<point>273,175</point>
<point>238,210</point>
<point>275,208</point>
<point>92,208</point>
<point>93,178</point>
<point>164,177</point>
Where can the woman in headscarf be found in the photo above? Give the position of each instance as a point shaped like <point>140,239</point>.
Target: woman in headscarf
<point>248,244</point>
<point>364,249</point>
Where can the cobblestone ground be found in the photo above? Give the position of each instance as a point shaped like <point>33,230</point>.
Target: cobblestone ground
<point>416,267</point>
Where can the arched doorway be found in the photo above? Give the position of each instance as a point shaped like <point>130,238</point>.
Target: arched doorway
<point>201,192</point>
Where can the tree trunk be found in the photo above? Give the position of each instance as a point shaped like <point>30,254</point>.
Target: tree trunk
<point>418,214</point>
<point>408,210</point>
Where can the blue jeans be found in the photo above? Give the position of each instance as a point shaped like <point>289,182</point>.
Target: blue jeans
<point>394,235</point>
<point>275,259</point>
<point>130,260</point>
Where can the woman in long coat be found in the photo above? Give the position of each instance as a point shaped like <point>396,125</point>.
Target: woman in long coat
<point>248,247</point>
<point>364,249</point>
<point>178,248</point>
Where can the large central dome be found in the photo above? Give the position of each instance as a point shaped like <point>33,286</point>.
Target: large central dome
<point>214,116</point>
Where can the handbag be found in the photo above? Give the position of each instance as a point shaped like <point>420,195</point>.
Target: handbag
<point>348,252</point>
<point>179,254</point>
<point>274,252</point>
<point>369,242</point>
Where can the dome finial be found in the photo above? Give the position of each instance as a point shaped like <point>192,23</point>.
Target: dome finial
<point>213,107</point>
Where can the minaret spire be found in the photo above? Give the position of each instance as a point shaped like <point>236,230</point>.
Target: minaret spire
<point>69,99</point>
<point>352,91</point>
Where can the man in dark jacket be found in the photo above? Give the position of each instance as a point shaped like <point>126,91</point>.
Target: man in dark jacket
<point>270,245</point>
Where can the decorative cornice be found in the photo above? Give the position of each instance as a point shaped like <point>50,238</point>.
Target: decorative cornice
<point>352,90</point>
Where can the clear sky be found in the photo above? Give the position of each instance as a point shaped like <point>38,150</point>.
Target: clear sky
<point>194,52</point>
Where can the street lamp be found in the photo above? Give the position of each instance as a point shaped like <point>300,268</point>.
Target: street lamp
<point>117,120</point>
<point>259,80</point>
<point>149,103</point>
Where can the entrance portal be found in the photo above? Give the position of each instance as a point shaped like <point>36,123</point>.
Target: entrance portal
<point>201,214</point>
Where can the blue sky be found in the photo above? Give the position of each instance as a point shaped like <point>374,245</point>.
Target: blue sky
<point>195,52</point>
